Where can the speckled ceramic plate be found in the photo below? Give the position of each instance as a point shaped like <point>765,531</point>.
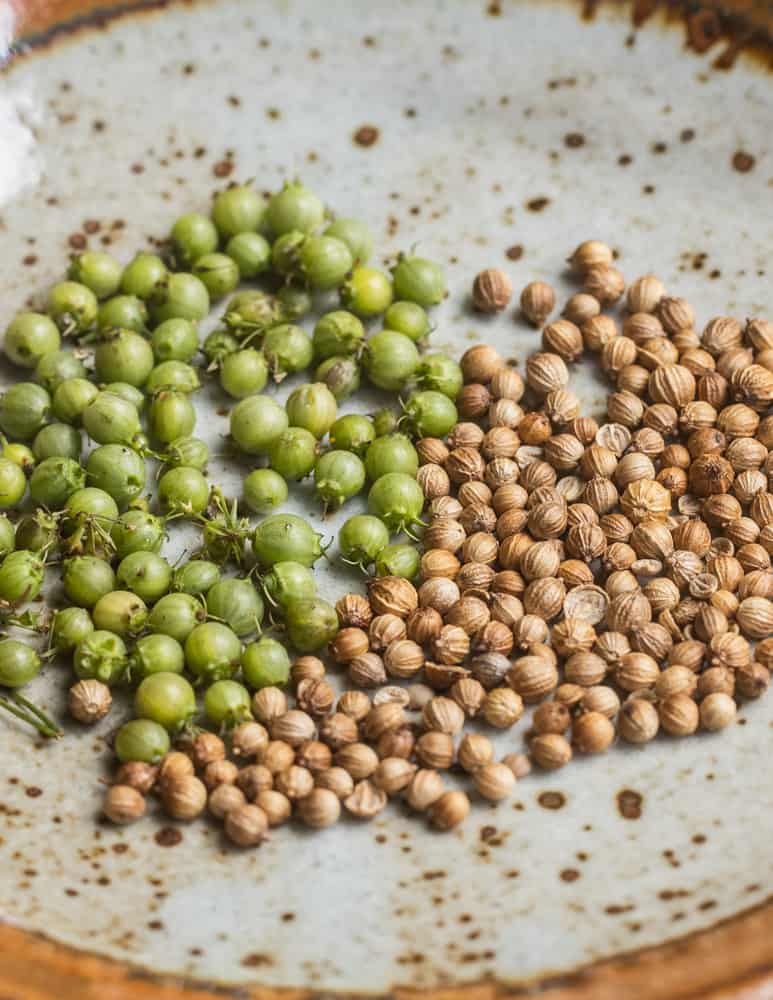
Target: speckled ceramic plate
<point>499,136</point>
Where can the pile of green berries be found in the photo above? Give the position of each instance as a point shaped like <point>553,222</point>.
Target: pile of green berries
<point>115,360</point>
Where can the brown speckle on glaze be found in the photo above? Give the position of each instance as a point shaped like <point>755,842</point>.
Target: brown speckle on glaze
<point>168,836</point>
<point>743,162</point>
<point>569,875</point>
<point>537,204</point>
<point>366,135</point>
<point>551,800</point>
<point>514,252</point>
<point>629,803</point>
<point>574,140</point>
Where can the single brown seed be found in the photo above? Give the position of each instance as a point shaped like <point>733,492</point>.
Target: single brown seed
<point>447,812</point>
<point>276,806</point>
<point>469,694</point>
<point>679,715</point>
<point>295,782</point>
<point>367,671</point>
<point>590,253</point>
<point>537,302</point>
<point>443,715</point>
<point>295,726</point>
<point>592,733</point>
<point>88,701</point>
<point>184,798</point>
<point>123,804</point>
<point>355,704</point>
<point>246,826</point>
<point>424,790</point>
<point>354,611</point>
<point>366,801</point>
<point>480,363</point>
<point>491,290</point>
<point>551,751</point>
<point>223,799</point>
<point>338,730</point>
<point>336,780</point>
<point>320,809</point>
<point>247,739</point>
<point>604,283</point>
<point>392,595</point>
<point>308,668</point>
<point>518,763</point>
<point>639,721</point>
<point>206,747</point>
<point>314,755</point>
<point>381,718</point>
<point>645,293</point>
<point>348,644</point>
<point>269,704</point>
<point>358,759</point>
<point>502,707</point>
<point>494,781</point>
<point>277,756</point>
<point>137,775</point>
<point>315,697</point>
<point>254,779</point>
<point>174,766</point>
<point>581,309</point>
<point>551,717</point>
<point>475,751</point>
<point>424,625</point>
<point>393,774</point>
<point>219,772</point>
<point>435,749</point>
<point>533,677</point>
<point>385,629</point>
<point>403,658</point>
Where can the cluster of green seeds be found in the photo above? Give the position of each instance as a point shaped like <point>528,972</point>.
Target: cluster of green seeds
<point>115,358</point>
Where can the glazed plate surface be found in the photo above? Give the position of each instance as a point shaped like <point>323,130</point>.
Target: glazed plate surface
<point>468,133</point>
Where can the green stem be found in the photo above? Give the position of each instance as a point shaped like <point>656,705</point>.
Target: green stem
<point>25,710</point>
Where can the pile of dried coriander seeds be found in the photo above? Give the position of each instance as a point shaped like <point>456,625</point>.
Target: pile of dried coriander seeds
<point>616,577</point>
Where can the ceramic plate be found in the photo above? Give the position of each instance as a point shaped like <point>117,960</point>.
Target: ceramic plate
<point>497,136</point>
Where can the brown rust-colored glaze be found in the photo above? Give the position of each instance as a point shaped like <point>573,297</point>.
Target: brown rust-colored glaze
<point>731,961</point>
<point>739,24</point>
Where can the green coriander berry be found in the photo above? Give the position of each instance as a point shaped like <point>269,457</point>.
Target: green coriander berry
<point>143,275</point>
<point>312,407</point>
<point>294,453</point>
<point>174,340</point>
<point>141,740</point>
<point>367,292</point>
<point>97,270</point>
<point>390,360</point>
<point>218,273</point>
<point>72,306</point>
<point>256,422</point>
<point>295,207</point>
<point>29,337</point>
<point>237,210</point>
<point>352,432</point>
<point>355,235</point>
<point>192,236</point>
<point>264,490</point>
<point>265,663</point>
<point>243,373</point>
<point>251,253</point>
<point>419,280</point>
<point>56,367</point>
<point>122,312</point>
<point>407,318</point>
<point>24,409</point>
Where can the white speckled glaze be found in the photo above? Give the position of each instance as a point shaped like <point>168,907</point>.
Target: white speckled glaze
<point>470,130</point>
